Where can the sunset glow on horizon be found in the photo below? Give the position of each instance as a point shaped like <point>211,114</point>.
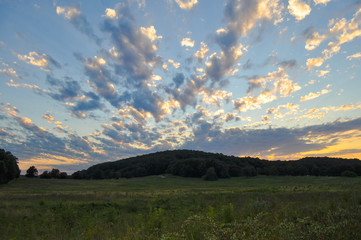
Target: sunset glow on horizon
<point>84,82</point>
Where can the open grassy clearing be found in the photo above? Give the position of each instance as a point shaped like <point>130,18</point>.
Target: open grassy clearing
<point>182,208</point>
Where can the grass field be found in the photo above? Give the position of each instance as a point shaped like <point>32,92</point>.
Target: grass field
<point>182,208</point>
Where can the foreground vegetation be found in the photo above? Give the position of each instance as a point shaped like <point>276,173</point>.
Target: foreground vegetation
<point>170,207</point>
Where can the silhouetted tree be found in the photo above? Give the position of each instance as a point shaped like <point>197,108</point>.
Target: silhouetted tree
<point>45,174</point>
<point>79,175</point>
<point>55,173</point>
<point>9,168</point>
<point>31,172</point>
<point>63,175</point>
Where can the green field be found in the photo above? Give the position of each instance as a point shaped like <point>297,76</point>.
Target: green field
<point>182,208</point>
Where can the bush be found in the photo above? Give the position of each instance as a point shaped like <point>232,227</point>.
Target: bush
<point>210,175</point>
<point>348,173</point>
<point>45,174</point>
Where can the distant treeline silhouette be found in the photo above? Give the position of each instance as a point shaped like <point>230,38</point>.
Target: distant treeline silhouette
<point>211,166</point>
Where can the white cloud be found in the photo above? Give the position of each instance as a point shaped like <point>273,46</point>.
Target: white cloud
<point>175,64</point>
<point>68,12</point>
<point>151,33</point>
<point>186,4</point>
<point>356,55</point>
<point>347,107</point>
<point>200,54</point>
<point>344,31</point>
<point>241,18</point>
<point>187,42</point>
<point>277,81</point>
<point>35,88</point>
<point>10,72</point>
<point>321,2</point>
<point>110,13</point>
<point>322,73</point>
<point>298,9</point>
<point>253,102</point>
<point>312,95</point>
<point>35,59</point>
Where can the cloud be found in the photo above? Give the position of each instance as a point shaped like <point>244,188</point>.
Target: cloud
<point>354,56</point>
<point>35,88</point>
<point>68,12</point>
<point>67,90</point>
<point>344,31</point>
<point>298,9</point>
<point>39,138</point>
<point>324,2</point>
<point>322,73</point>
<point>110,13</point>
<point>48,117</point>
<point>175,64</point>
<point>100,79</point>
<point>151,33</point>
<point>186,96</point>
<point>287,64</point>
<point>253,102</point>
<point>240,17</point>
<point>279,113</point>
<point>186,4</point>
<point>277,81</point>
<point>178,79</point>
<point>312,95</point>
<point>216,97</point>
<point>10,72</point>
<point>35,59</point>
<point>221,65</point>
<point>269,141</point>
<point>133,58</point>
<point>75,17</point>
<point>187,42</point>
<point>272,85</point>
<point>133,52</point>
<point>200,54</point>
<point>346,107</point>
<point>90,102</point>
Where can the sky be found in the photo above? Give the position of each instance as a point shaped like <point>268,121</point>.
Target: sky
<point>85,82</point>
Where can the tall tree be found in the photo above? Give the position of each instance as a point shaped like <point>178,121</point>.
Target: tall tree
<point>9,168</point>
<point>32,172</point>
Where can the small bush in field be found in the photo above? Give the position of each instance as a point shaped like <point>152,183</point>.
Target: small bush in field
<point>210,175</point>
<point>348,173</point>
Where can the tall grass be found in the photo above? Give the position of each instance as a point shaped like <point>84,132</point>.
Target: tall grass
<point>182,208</point>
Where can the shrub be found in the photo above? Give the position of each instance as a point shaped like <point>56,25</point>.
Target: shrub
<point>348,173</point>
<point>210,175</point>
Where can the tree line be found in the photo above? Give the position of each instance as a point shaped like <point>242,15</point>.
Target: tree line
<point>211,166</point>
<point>190,163</point>
<point>54,173</point>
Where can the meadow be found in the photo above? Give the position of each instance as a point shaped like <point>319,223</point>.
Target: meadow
<point>170,207</point>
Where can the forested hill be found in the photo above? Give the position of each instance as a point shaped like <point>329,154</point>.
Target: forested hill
<point>211,166</point>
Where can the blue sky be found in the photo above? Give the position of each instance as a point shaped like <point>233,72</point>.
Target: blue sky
<point>83,82</point>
